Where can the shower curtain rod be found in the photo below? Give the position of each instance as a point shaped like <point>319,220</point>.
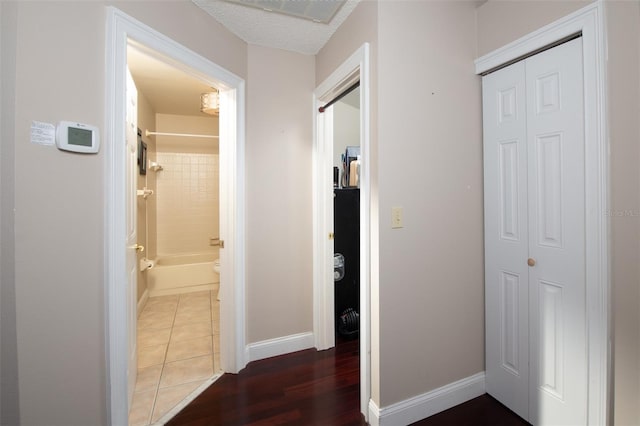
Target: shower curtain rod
<point>190,135</point>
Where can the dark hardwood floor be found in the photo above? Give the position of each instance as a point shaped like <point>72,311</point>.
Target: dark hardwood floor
<point>312,388</point>
<point>481,411</point>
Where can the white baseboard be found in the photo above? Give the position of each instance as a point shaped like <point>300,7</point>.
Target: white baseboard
<point>422,406</point>
<point>279,346</point>
<point>183,289</point>
<point>143,300</point>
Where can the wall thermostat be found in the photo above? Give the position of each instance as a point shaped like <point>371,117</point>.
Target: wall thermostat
<point>77,137</point>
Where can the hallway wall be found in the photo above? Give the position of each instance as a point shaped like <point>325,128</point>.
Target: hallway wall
<point>279,131</point>
<point>623,32</point>
<point>501,22</point>
<point>430,163</point>
<point>59,217</point>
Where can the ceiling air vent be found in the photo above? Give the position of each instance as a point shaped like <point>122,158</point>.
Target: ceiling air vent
<point>314,10</point>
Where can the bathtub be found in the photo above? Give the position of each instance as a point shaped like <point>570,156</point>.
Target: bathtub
<point>182,273</point>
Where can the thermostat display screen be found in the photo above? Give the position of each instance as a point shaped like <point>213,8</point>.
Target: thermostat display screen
<point>77,137</point>
<point>80,137</point>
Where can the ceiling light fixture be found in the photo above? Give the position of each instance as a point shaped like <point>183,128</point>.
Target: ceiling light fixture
<point>209,103</point>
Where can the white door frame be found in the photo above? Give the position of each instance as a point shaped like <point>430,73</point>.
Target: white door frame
<point>120,29</point>
<point>590,22</point>
<point>353,69</point>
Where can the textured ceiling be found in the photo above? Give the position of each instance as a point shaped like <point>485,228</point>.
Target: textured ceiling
<point>259,27</point>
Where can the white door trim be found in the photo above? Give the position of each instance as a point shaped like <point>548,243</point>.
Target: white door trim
<point>354,68</point>
<point>121,28</point>
<point>590,22</point>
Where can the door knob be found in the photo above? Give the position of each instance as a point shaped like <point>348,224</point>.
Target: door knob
<point>531,262</point>
<point>139,248</point>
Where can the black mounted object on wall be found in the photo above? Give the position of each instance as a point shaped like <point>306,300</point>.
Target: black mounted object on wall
<point>142,154</point>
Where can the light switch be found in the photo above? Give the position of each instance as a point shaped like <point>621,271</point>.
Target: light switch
<point>396,217</point>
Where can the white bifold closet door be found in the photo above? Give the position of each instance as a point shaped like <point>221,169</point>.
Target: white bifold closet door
<point>534,182</point>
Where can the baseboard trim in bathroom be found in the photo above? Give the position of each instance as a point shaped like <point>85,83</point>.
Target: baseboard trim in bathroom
<point>183,289</point>
<point>422,406</point>
<point>280,346</point>
<point>143,301</point>
<point>193,395</point>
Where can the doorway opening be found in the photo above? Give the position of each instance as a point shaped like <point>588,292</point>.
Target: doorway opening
<point>329,293</point>
<point>177,205</point>
<point>346,213</point>
<point>122,33</point>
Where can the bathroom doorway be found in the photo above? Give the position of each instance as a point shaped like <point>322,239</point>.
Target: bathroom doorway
<point>177,206</point>
<point>122,32</point>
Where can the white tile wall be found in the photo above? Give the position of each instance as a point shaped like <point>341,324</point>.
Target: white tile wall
<point>187,202</point>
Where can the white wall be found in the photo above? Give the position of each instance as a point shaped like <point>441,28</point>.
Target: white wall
<point>623,32</point>
<point>59,217</point>
<point>346,130</point>
<point>430,163</point>
<point>279,251</point>
<point>502,21</point>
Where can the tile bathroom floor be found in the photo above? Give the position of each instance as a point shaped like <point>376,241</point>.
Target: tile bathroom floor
<point>178,350</point>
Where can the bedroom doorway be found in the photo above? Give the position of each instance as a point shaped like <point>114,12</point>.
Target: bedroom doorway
<point>354,71</point>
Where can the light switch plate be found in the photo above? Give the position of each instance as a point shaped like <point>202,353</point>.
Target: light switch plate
<point>396,217</point>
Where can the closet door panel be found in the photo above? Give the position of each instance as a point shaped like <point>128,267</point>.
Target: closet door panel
<point>555,135</point>
<point>506,243</point>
